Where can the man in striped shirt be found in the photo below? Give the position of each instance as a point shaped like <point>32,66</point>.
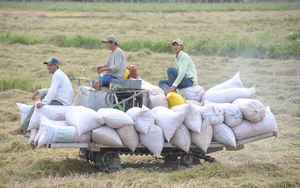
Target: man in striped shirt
<point>59,93</point>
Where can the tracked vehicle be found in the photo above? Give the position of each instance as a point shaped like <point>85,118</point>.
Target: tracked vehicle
<point>124,94</point>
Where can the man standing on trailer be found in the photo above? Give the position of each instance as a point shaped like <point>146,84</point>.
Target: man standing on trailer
<point>114,66</point>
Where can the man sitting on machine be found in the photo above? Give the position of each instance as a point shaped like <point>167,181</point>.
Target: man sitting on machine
<point>114,66</point>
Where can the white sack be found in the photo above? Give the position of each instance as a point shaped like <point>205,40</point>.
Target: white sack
<point>192,93</point>
<point>39,131</point>
<point>37,137</point>
<point>229,95</point>
<point>156,95</point>
<point>234,82</point>
<point>106,136</point>
<point>84,119</point>
<point>167,120</point>
<point>252,109</point>
<point>203,139</point>
<point>103,111</point>
<point>232,114</point>
<point>142,117</point>
<point>192,116</point>
<point>24,110</point>
<point>224,135</point>
<point>250,129</point>
<point>128,136</point>
<point>214,113</point>
<point>182,138</point>
<point>154,141</point>
<point>115,118</point>
<point>198,103</point>
<point>32,136</point>
<point>52,112</point>
<point>157,98</point>
<point>52,133</point>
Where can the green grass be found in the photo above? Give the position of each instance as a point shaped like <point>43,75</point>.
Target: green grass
<point>8,83</point>
<point>221,42</point>
<point>256,46</point>
<point>148,7</point>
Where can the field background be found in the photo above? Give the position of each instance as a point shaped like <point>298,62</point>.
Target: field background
<point>32,32</point>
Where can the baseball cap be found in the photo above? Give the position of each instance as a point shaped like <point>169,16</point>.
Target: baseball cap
<point>110,38</point>
<point>52,61</point>
<point>178,41</point>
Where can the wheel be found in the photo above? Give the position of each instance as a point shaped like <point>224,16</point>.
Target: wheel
<point>139,162</point>
<point>153,162</point>
<point>84,154</point>
<point>159,169</point>
<point>108,158</point>
<point>189,160</point>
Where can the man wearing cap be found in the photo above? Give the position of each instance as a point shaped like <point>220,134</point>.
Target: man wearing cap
<point>114,66</point>
<point>59,93</point>
<point>185,75</point>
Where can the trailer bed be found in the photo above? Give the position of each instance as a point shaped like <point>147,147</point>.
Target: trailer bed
<point>96,147</point>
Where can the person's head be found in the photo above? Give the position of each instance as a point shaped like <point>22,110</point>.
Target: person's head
<point>52,64</point>
<point>111,42</point>
<point>177,45</point>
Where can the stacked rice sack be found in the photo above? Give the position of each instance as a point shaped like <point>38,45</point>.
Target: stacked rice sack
<point>62,124</point>
<point>78,124</point>
<point>156,95</point>
<point>225,113</point>
<point>244,116</point>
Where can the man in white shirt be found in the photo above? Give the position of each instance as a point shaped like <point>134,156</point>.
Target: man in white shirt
<point>59,93</point>
<point>114,66</point>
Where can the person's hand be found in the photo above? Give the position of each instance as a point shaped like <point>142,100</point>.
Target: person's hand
<point>39,105</point>
<point>99,70</point>
<point>171,89</point>
<point>36,93</point>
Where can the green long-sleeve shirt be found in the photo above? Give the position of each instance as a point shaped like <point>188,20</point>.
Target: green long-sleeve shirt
<point>186,67</point>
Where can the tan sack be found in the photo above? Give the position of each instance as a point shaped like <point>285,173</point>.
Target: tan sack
<point>203,139</point>
<point>115,118</point>
<point>106,136</point>
<point>128,136</point>
<point>182,138</point>
<point>154,141</point>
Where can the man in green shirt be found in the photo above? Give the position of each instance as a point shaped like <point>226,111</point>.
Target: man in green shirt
<point>185,75</point>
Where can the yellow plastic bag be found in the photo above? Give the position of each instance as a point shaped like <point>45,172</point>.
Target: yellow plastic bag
<point>174,99</point>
